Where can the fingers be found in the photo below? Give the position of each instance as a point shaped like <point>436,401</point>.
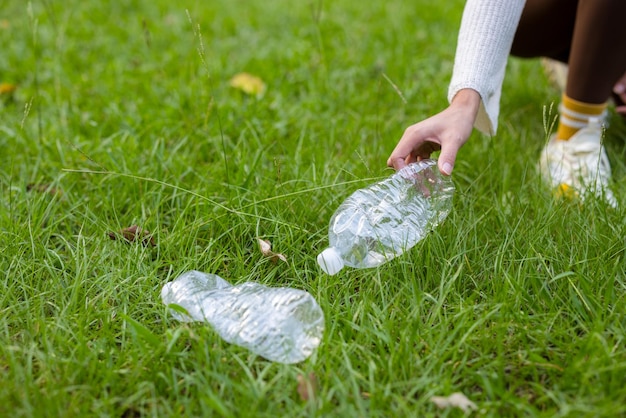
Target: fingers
<point>446,131</point>
<point>396,162</point>
<point>404,153</point>
<point>414,148</point>
<point>449,150</point>
<point>620,91</point>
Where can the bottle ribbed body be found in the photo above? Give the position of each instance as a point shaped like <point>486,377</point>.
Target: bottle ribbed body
<point>281,324</point>
<point>383,220</point>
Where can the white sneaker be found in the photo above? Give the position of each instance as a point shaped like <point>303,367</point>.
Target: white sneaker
<point>556,72</point>
<point>579,165</point>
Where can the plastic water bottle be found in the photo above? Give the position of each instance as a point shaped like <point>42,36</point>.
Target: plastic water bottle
<point>281,324</point>
<point>383,220</point>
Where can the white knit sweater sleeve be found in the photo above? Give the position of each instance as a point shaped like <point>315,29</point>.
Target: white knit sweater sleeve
<point>485,38</point>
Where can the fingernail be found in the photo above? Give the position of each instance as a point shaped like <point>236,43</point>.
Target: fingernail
<point>619,88</point>
<point>447,168</point>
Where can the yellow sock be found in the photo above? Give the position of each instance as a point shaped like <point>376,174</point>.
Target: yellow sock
<point>575,115</point>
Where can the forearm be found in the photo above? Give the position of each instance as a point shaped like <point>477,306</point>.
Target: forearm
<point>484,43</point>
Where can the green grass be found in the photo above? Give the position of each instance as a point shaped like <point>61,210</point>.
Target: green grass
<point>517,300</point>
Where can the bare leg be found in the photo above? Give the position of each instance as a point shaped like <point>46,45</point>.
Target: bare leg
<point>598,53</point>
<point>587,34</point>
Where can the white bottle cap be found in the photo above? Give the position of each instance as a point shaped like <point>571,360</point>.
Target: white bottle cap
<point>330,261</point>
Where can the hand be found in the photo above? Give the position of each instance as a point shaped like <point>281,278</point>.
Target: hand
<point>446,131</point>
<point>620,92</point>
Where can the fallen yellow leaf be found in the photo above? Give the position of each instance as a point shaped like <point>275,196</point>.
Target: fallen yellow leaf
<point>248,83</point>
<point>7,88</point>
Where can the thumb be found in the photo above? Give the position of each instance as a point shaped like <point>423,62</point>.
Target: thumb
<point>447,158</point>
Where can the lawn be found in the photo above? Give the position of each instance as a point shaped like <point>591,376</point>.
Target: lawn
<point>121,114</point>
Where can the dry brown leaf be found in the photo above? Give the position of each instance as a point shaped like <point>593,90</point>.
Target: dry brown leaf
<point>248,83</point>
<point>266,250</point>
<point>307,387</point>
<point>456,400</point>
<point>134,233</point>
<point>44,188</point>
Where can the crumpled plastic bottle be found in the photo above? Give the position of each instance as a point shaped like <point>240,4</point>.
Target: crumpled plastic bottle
<point>380,222</point>
<point>281,324</point>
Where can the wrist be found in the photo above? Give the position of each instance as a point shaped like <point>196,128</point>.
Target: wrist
<point>467,99</point>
